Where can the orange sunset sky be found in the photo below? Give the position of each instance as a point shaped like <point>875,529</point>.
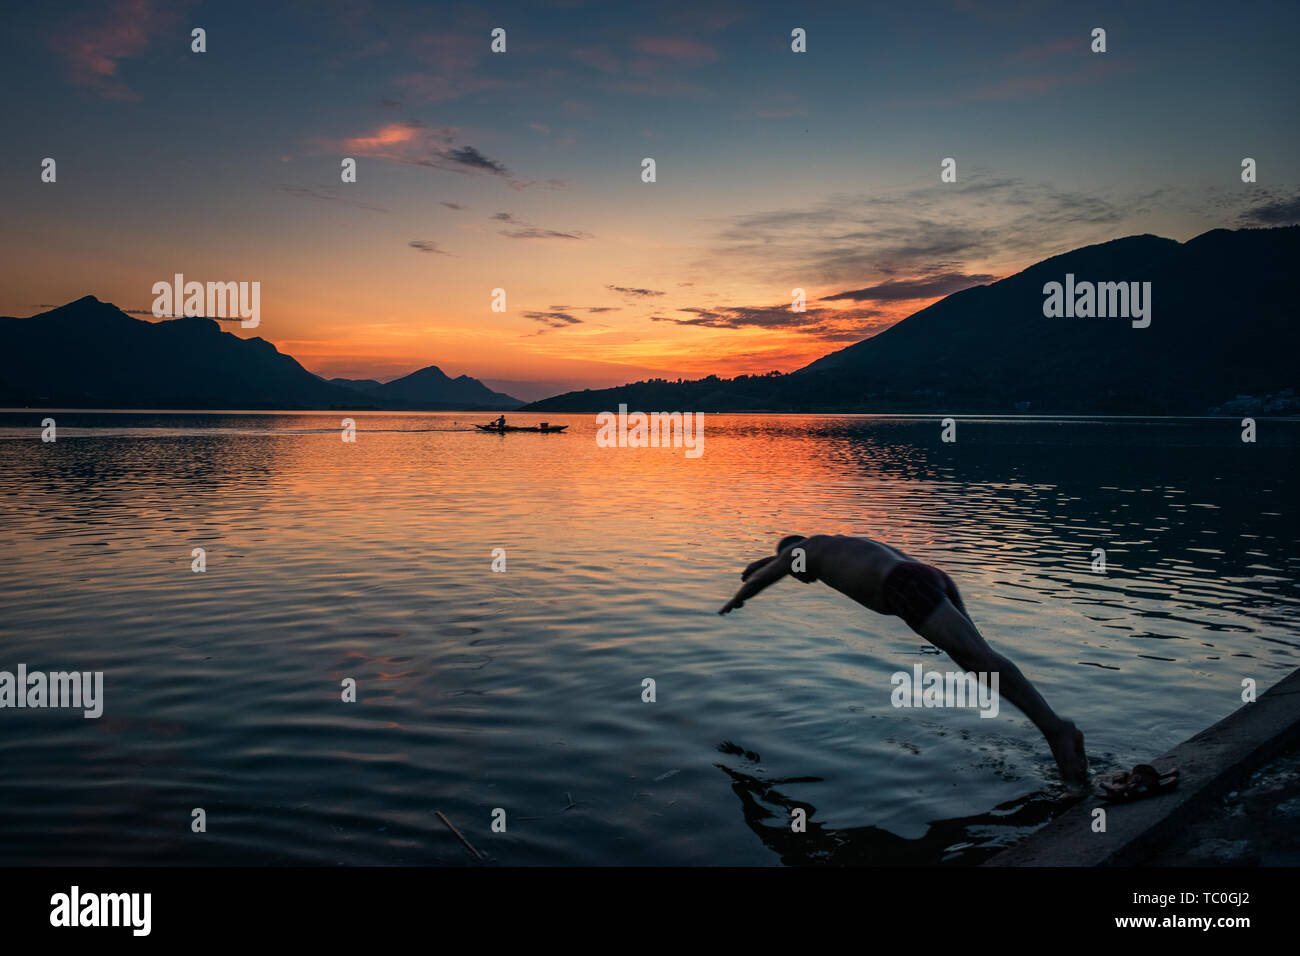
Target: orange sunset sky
<point>522,171</point>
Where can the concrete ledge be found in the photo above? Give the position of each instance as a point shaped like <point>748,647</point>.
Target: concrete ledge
<point>1211,764</point>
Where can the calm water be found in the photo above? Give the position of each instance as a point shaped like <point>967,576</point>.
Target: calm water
<point>522,689</point>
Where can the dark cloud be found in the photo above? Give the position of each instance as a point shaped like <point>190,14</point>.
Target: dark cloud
<point>826,323</point>
<point>637,292</point>
<point>526,230</point>
<point>585,308</point>
<point>1276,212</point>
<point>471,157</point>
<point>865,238</point>
<point>903,290</point>
<point>555,319</point>
<point>452,205</point>
<point>427,245</point>
<point>326,194</point>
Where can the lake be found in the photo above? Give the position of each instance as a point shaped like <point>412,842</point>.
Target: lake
<point>522,689</point>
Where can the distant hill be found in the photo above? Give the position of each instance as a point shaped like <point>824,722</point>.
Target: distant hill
<point>1224,335</point>
<point>90,354</point>
<point>360,384</point>
<point>431,386</point>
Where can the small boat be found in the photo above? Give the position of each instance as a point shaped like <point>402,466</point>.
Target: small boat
<point>543,427</point>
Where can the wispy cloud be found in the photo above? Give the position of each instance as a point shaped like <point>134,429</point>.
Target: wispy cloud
<point>919,235</point>
<point>905,290</point>
<point>554,319</point>
<point>471,157</point>
<point>526,230</point>
<point>427,245</point>
<point>1273,211</point>
<point>412,143</point>
<point>829,324</point>
<point>640,293</point>
<point>326,194</point>
<point>92,51</point>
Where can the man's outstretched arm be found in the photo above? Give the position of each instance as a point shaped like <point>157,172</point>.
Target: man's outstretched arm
<point>759,575</point>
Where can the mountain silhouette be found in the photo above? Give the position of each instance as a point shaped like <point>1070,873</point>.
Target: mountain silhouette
<point>360,384</point>
<point>90,354</point>
<point>432,386</point>
<point>1223,336</point>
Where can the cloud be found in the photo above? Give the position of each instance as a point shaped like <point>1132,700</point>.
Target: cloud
<point>93,51</point>
<point>642,293</point>
<point>412,143</point>
<point>148,314</point>
<point>829,324</point>
<point>326,194</point>
<point>453,205</point>
<point>586,308</point>
<point>904,290</point>
<point>1273,212</point>
<point>526,230</point>
<point>864,240</point>
<point>427,245</point>
<point>387,136</point>
<point>554,319</point>
<point>469,156</point>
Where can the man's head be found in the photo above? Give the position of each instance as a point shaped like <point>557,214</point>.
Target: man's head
<point>798,562</point>
<point>790,541</point>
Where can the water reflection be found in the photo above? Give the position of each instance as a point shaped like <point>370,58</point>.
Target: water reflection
<point>372,561</point>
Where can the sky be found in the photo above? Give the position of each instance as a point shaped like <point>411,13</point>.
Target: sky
<point>522,170</point>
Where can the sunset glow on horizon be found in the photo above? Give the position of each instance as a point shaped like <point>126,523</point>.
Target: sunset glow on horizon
<point>522,171</point>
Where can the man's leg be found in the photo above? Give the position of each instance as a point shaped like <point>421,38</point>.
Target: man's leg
<point>950,630</point>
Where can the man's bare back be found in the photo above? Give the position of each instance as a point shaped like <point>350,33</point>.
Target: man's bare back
<point>889,581</point>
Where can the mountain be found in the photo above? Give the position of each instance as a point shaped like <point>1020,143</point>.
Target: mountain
<point>1223,334</point>
<point>430,386</point>
<point>90,354</point>
<point>360,384</point>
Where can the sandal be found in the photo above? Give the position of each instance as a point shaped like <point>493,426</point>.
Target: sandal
<point>1143,781</point>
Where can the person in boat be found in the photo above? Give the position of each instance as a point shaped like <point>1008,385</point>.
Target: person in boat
<point>500,422</point>
<point>887,581</point>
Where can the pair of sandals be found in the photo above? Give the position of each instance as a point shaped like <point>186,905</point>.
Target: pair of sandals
<point>1142,781</point>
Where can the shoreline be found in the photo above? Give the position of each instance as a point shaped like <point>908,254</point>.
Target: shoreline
<point>1212,764</point>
